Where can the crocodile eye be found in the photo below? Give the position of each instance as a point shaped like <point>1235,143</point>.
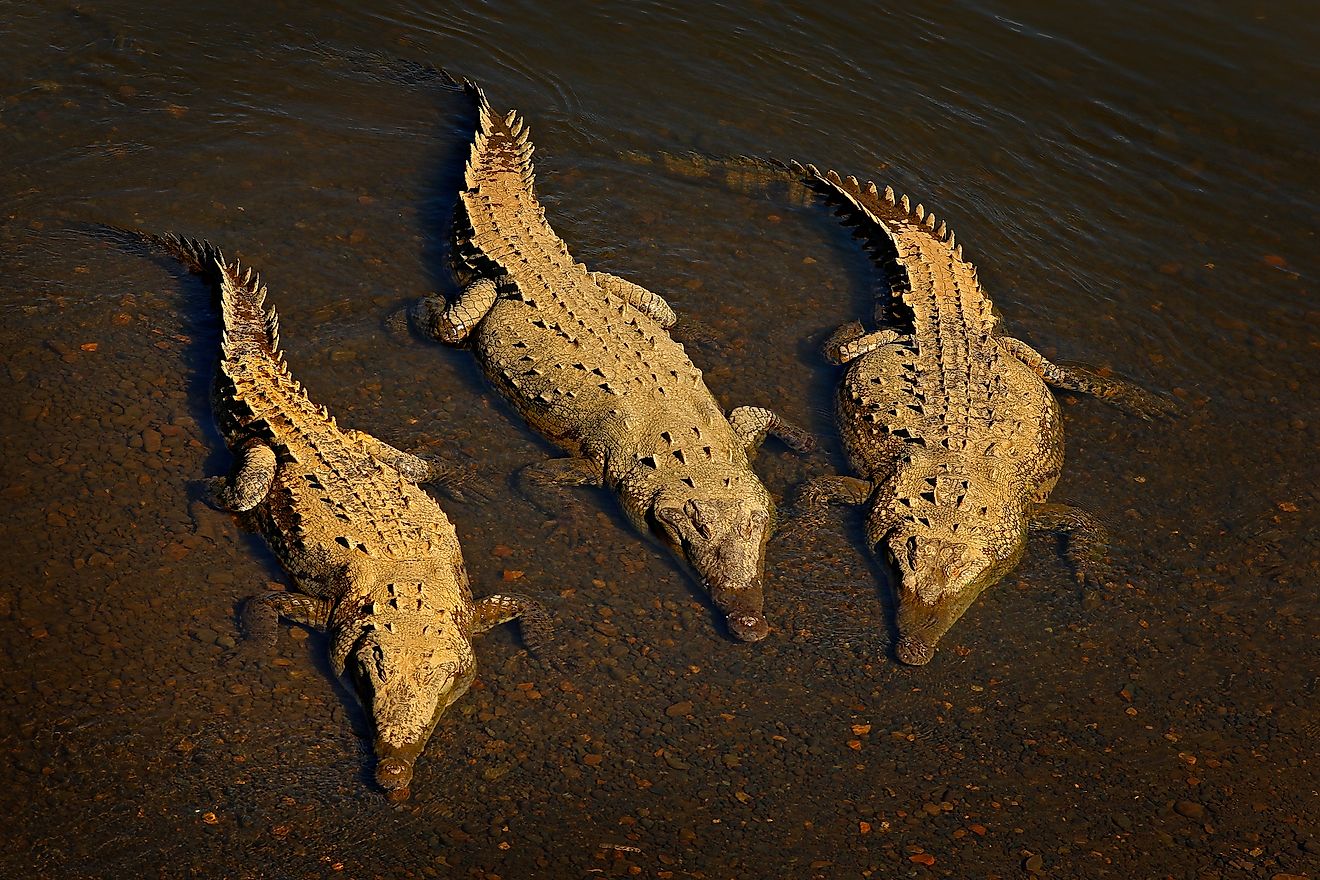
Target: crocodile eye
<point>665,525</point>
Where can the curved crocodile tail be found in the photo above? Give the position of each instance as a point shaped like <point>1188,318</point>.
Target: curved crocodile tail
<point>248,326</point>
<point>886,223</point>
<point>501,145</point>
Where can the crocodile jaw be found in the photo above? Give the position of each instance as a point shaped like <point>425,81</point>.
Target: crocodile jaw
<point>938,581</point>
<point>742,607</point>
<point>724,542</point>
<point>405,689</point>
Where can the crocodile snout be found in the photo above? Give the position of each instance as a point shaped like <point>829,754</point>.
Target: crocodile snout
<point>394,775</point>
<point>747,627</point>
<point>914,652</point>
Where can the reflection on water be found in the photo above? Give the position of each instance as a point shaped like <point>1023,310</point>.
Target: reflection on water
<point>1137,187</point>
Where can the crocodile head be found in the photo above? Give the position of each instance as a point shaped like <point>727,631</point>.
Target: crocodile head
<point>406,676</point>
<point>723,538</point>
<point>940,574</point>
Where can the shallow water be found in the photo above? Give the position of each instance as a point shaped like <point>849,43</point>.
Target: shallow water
<point>1136,182</point>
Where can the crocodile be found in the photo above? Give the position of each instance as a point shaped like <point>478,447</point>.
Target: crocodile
<point>587,359</point>
<point>376,560</point>
<point>948,422</point>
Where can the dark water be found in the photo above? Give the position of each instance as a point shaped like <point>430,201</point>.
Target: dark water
<point>1137,183</point>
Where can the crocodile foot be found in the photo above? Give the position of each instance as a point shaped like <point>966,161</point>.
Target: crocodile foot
<point>460,483</point>
<point>1122,394</point>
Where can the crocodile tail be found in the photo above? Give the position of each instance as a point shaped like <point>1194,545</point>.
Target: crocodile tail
<point>886,223</point>
<point>502,144</point>
<point>248,325</point>
<point>745,175</point>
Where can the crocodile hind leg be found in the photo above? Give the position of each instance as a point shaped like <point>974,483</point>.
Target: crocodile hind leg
<point>1087,380</point>
<point>452,322</point>
<point>261,615</point>
<point>753,423</point>
<point>1087,538</point>
<point>851,341</point>
<point>249,481</point>
<point>650,304</point>
<point>423,469</point>
<point>533,620</point>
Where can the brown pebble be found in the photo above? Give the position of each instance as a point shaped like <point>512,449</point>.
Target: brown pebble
<point>679,709</point>
<point>1190,809</point>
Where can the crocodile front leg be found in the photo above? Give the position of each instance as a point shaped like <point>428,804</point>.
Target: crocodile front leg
<point>533,620</point>
<point>556,474</point>
<point>261,615</point>
<point>421,469</point>
<point>453,322</point>
<point>851,341</point>
<point>812,499</point>
<point>1087,538</point>
<point>543,483</point>
<point>249,481</point>
<point>753,423</point>
<point>650,304</point>
<point>1087,380</point>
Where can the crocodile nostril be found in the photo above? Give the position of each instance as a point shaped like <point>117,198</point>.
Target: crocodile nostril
<point>748,627</point>
<point>393,775</point>
<point>913,651</point>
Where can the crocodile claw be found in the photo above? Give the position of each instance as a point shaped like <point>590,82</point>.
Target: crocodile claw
<point>463,484</point>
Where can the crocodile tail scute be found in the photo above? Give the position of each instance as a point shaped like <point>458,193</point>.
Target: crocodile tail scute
<point>884,220</point>
<point>248,324</point>
<point>502,144</point>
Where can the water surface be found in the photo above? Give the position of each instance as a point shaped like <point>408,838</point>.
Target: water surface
<point>1136,182</point>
